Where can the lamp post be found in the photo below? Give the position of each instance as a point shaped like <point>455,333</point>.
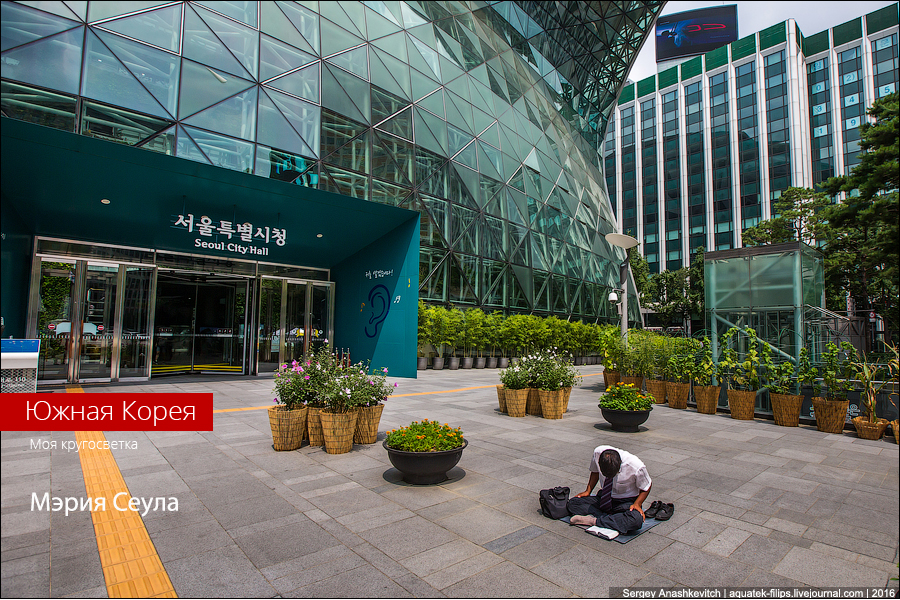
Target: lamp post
<point>627,242</point>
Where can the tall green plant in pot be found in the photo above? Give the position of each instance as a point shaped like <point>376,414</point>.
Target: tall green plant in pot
<point>680,370</point>
<point>660,347</point>
<point>493,324</point>
<point>782,383</point>
<point>831,410</point>
<point>423,337</point>
<point>703,373</point>
<point>454,335</point>
<point>873,377</point>
<point>438,321</point>
<point>612,350</point>
<point>742,371</point>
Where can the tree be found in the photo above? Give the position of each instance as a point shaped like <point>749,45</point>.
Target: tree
<point>677,295</point>
<point>799,217</point>
<point>640,270</point>
<point>865,233</point>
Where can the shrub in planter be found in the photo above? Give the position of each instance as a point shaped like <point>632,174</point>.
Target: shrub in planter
<point>625,407</point>
<point>613,351</point>
<point>552,376</point>
<point>782,383</point>
<point>869,374</point>
<point>424,452</point>
<point>659,371</point>
<point>515,389</point>
<point>742,372</point>
<point>703,371</point>
<point>313,377</point>
<point>287,419</point>
<point>680,370</point>
<point>831,411</point>
<point>374,391</point>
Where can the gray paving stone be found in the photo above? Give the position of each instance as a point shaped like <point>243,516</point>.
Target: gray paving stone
<point>820,570</point>
<point>697,532</point>
<point>407,537</point>
<point>221,573</point>
<point>28,585</point>
<point>693,567</point>
<point>195,538</point>
<point>482,524</point>
<point>75,573</point>
<point>357,583</point>
<point>433,560</point>
<point>587,572</point>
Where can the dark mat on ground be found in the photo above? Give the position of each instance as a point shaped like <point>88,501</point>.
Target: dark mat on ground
<point>624,538</point>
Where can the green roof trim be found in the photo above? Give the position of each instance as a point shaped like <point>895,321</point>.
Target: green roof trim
<point>814,44</point>
<point>627,94</point>
<point>847,32</point>
<point>668,77</point>
<point>881,19</point>
<point>743,47</point>
<point>772,36</point>
<point>717,58</point>
<point>646,86</point>
<point>691,68</point>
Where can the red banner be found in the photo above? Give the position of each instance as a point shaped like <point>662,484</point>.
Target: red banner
<point>106,412</point>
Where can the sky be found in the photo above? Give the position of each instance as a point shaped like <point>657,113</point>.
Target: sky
<point>753,16</point>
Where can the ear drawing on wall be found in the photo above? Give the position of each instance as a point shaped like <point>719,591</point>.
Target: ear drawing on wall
<point>380,305</point>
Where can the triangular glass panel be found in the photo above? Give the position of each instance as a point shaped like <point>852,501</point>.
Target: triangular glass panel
<point>493,290</point>
<point>410,17</point>
<point>493,156</point>
<point>540,251</point>
<point>234,117</point>
<point>385,105</point>
<point>60,9</point>
<point>345,94</point>
<point>242,11</point>
<point>353,21</point>
<point>434,103</point>
<point>157,71</point>
<point>355,61</point>
<point>348,183</point>
<point>43,62</point>
<point>277,58</point>
<point>302,82</point>
<point>222,151</point>
<point>201,87</point>
<point>395,45</point>
<point>464,109</point>
<point>22,25</point>
<point>464,186</point>
<point>421,85</point>
<point>437,210</point>
<point>275,130</point>
<point>390,73</point>
<point>424,137</point>
<point>460,288</point>
<point>186,148</point>
<point>161,27</point>
<point>400,124</point>
<point>337,39</point>
<point>379,20</point>
<point>241,41</point>
<point>304,117</point>
<point>542,295</point>
<point>274,23</point>
<point>304,20</point>
<point>106,10</point>
<point>432,281</point>
<point>454,116</point>
<point>420,62</point>
<point>463,235</point>
<point>423,33</point>
<point>449,69</point>
<point>517,180</point>
<point>392,194</point>
<point>204,46</point>
<point>458,139</point>
<point>492,239</point>
<point>436,126</point>
<point>162,142</point>
<point>468,156</point>
<point>108,80</point>
<point>393,160</point>
<point>121,126</point>
<point>519,288</point>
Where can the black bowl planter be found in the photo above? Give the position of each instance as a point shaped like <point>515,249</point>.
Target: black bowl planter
<point>625,420</point>
<point>424,468</point>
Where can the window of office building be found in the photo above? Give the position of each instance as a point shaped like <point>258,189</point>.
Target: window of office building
<point>672,180</point>
<point>609,163</point>
<point>821,143</point>
<point>696,185</point>
<point>720,146</point>
<point>649,186</point>
<point>853,103</point>
<point>777,125</point>
<point>629,173</point>
<point>748,144</point>
<point>884,64</point>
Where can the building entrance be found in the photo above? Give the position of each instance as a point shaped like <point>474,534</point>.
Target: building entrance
<point>200,324</point>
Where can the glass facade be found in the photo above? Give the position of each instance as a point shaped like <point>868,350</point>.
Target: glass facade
<point>740,125</point>
<point>486,119</point>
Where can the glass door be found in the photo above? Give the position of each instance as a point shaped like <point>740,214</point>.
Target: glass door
<point>270,325</point>
<point>295,322</point>
<point>95,345</point>
<point>320,310</point>
<point>134,357</point>
<point>54,318</point>
<point>173,334</point>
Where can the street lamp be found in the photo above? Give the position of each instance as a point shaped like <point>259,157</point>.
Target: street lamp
<point>626,242</point>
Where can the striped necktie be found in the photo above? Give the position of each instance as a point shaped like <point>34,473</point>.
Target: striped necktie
<point>605,504</point>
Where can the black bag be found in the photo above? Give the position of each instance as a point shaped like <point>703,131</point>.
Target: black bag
<point>553,502</point>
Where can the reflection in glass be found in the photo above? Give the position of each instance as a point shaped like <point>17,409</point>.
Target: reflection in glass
<point>53,62</point>
<point>38,106</point>
<point>269,325</point>
<point>97,329</point>
<point>55,319</point>
<point>135,345</point>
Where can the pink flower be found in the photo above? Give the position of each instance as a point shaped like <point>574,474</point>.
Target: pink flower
<point>395,385</point>
<point>306,377</point>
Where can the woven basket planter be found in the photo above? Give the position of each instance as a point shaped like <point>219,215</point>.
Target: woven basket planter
<point>867,430</point>
<point>338,430</point>
<point>515,402</point>
<point>553,403</point>
<point>831,415</point>
<point>611,378</point>
<point>895,426</point>
<point>567,392</point>
<point>533,403</point>
<point>637,381</point>
<point>314,427</point>
<point>501,398</point>
<point>657,389</point>
<point>742,403</point>
<point>786,409</point>
<point>678,394</point>
<point>707,397</point>
<point>287,427</point>
<point>367,421</point>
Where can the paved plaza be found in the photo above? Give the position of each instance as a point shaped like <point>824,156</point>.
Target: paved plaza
<point>755,504</point>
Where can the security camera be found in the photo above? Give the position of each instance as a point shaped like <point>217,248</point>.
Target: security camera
<point>613,297</point>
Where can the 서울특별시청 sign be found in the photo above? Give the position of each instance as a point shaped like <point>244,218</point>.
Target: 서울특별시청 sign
<point>238,238</point>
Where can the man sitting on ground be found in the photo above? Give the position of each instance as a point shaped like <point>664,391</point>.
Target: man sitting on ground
<point>626,484</point>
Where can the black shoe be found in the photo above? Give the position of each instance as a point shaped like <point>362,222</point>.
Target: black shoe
<point>665,512</point>
<point>654,508</point>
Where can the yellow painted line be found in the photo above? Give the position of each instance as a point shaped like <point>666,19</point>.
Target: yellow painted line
<point>131,566</point>
<point>479,387</point>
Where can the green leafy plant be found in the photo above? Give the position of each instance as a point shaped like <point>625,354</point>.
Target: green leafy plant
<point>869,374</point>
<point>682,361</point>
<point>742,372</point>
<point>704,368</point>
<point>612,348</point>
<point>625,396</point>
<point>806,373</point>
<point>290,386</point>
<point>549,370</point>
<point>307,381</point>
<point>427,436</point>
<point>837,370</point>
<point>515,377</point>
<point>780,377</point>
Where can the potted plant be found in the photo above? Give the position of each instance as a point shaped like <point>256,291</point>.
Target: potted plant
<point>658,372</point>
<point>613,351</point>
<point>831,410</point>
<point>316,373</point>
<point>742,373</point>
<point>493,323</point>
<point>454,334</point>
<point>515,389</point>
<point>476,335</point>
<point>868,373</point>
<point>625,407</point>
<point>680,370</point>
<point>424,452</point>
<point>376,390</point>
<point>287,419</point>
<point>553,378</point>
<point>781,382</point>
<point>424,336</point>
<point>703,371</point>
<point>344,393</point>
<point>438,321</point>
